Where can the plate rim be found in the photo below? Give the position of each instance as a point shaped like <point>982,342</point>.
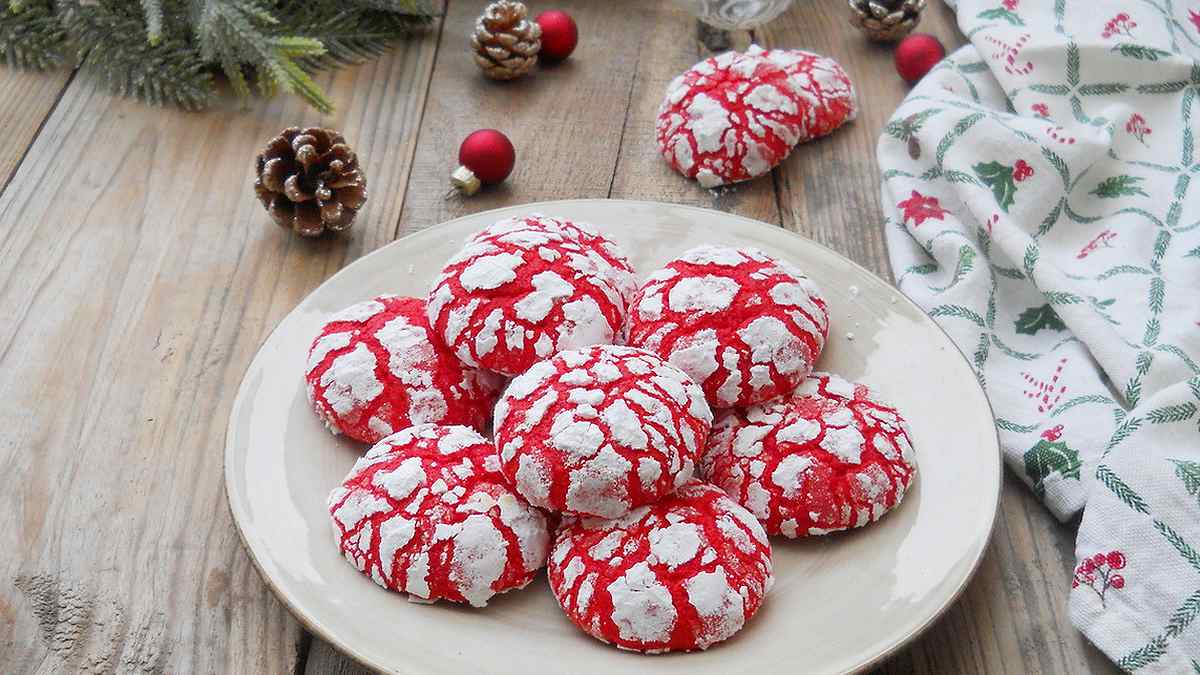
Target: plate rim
<point>317,628</point>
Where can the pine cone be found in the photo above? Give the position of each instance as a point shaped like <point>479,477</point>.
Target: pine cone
<point>886,20</point>
<point>309,181</point>
<point>506,43</point>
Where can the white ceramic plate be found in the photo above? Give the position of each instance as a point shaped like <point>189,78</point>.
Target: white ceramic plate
<point>839,602</point>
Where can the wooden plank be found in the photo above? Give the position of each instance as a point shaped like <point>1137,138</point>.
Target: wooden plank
<point>671,47</point>
<point>1013,616</point>
<point>566,120</point>
<point>829,188</point>
<point>140,277</point>
<point>26,99</point>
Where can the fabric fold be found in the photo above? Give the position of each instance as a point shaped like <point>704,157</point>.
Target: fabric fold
<point>1040,204</point>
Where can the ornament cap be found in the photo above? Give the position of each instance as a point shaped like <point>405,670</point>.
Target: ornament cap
<point>465,181</point>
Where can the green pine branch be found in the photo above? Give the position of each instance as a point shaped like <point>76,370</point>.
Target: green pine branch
<point>30,36</point>
<point>168,51</point>
<point>169,72</point>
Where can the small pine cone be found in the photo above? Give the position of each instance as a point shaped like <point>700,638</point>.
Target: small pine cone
<point>309,181</point>
<point>886,20</point>
<point>505,42</point>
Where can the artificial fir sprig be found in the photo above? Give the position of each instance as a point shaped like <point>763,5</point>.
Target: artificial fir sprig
<point>168,51</point>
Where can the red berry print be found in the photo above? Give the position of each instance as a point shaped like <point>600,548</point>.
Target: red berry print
<point>1120,24</point>
<point>1010,5</point>
<point>1098,572</point>
<point>1053,433</point>
<point>920,208</point>
<point>1136,127</point>
<point>1102,240</point>
<point>1040,109</point>
<point>1021,170</point>
<point>1195,18</point>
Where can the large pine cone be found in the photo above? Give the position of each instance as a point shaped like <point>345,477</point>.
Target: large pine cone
<point>506,43</point>
<point>309,181</point>
<point>886,20</point>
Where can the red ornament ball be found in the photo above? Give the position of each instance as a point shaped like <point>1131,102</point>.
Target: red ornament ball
<point>559,34</point>
<point>488,154</point>
<point>917,54</point>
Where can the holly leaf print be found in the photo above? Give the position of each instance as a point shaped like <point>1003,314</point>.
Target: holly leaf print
<point>920,208</point>
<point>1140,52</point>
<point>1119,186</point>
<point>1000,178</point>
<point>1036,318</point>
<point>1001,13</point>
<point>1047,458</point>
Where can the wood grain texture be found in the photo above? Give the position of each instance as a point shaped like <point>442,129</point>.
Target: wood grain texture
<point>666,49</point>
<point>829,188</point>
<point>140,277</point>
<point>26,99</point>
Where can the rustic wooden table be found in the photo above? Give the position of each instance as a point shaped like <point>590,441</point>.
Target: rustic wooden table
<point>138,275</point>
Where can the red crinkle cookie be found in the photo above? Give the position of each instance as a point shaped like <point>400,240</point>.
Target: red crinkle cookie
<point>681,574</point>
<point>826,93</point>
<point>601,430</point>
<point>375,369</point>
<point>729,118</point>
<point>528,287</point>
<point>831,457</point>
<point>427,512</point>
<point>745,326</point>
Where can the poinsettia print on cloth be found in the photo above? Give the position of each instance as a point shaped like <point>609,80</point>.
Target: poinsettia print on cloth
<point>1040,192</point>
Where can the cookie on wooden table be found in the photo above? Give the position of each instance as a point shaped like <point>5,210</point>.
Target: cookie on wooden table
<point>827,95</point>
<point>375,369</point>
<point>746,326</point>
<point>427,512</point>
<point>681,574</point>
<point>601,430</point>
<point>830,457</point>
<point>526,288</point>
<point>729,118</point>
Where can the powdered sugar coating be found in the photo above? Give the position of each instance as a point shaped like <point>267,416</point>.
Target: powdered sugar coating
<point>827,95</point>
<point>427,512</point>
<point>831,457</point>
<point>601,430</point>
<point>729,118</point>
<point>745,326</point>
<point>527,288</point>
<point>681,574</point>
<point>374,369</point>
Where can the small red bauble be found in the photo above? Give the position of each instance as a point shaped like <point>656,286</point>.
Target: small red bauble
<point>485,157</point>
<point>917,54</point>
<point>559,34</point>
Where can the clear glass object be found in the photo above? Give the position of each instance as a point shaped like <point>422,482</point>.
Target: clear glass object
<point>735,14</point>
